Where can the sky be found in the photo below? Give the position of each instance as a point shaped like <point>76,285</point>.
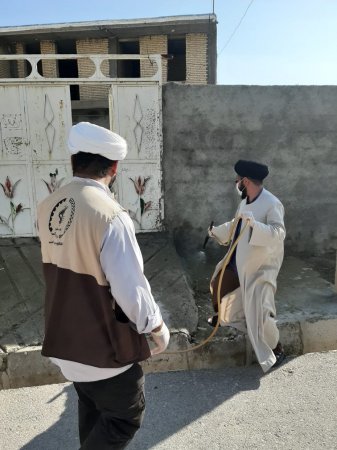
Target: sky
<point>275,42</point>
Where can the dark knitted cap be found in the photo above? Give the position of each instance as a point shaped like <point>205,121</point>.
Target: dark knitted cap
<point>251,169</point>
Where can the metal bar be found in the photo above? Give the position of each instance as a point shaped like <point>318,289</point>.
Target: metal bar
<point>104,56</point>
<point>80,81</point>
<point>97,77</point>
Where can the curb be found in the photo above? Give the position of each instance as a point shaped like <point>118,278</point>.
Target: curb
<point>27,367</point>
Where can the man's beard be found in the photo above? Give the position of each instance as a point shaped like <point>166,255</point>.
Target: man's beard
<point>113,179</point>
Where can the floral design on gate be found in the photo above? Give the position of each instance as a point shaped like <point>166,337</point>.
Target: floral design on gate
<point>54,183</point>
<point>141,206</point>
<point>9,189</point>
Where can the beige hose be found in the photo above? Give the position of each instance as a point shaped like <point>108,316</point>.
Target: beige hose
<point>225,264</point>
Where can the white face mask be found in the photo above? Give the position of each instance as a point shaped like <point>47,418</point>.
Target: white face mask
<point>240,192</point>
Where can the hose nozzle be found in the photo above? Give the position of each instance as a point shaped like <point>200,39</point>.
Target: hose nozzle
<point>207,237</point>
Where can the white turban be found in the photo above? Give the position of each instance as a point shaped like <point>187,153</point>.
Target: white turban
<point>89,138</point>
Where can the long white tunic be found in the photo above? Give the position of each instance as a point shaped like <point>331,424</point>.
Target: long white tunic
<point>259,256</point>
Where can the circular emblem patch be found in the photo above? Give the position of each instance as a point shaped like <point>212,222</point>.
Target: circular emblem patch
<point>61,217</point>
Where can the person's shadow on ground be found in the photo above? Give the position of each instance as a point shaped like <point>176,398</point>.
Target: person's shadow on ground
<point>63,434</point>
<point>174,400</point>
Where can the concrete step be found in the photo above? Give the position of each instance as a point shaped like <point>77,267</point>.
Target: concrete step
<point>26,366</point>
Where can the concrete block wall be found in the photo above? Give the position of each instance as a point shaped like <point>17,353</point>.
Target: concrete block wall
<point>196,58</point>
<point>21,65</point>
<point>293,129</point>
<point>49,67</point>
<point>150,45</point>
<point>4,65</point>
<point>86,67</point>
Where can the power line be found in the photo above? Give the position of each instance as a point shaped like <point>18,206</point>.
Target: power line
<point>236,28</point>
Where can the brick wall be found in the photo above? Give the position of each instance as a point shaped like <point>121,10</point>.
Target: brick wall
<point>86,68</point>
<point>150,45</point>
<point>196,58</point>
<point>21,65</point>
<point>4,65</point>
<point>49,67</point>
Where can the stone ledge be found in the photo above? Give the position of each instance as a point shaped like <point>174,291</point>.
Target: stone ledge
<point>27,367</point>
<point>319,335</point>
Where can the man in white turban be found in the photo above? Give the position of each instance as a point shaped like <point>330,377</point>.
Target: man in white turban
<point>98,303</point>
<point>249,281</point>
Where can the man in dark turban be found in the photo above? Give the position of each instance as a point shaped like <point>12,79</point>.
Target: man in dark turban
<point>249,282</point>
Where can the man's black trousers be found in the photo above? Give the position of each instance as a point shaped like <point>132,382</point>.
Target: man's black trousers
<point>111,411</point>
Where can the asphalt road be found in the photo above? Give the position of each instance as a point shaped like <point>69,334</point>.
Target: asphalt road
<point>293,407</point>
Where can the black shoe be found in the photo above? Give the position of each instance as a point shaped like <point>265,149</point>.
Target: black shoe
<point>279,354</point>
<point>212,321</point>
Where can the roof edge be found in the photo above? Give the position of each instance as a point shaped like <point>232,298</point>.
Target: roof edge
<point>71,26</point>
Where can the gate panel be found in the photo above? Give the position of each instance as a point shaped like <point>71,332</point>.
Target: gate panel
<point>135,113</point>
<point>49,118</point>
<point>141,193</point>
<point>13,126</point>
<point>34,122</point>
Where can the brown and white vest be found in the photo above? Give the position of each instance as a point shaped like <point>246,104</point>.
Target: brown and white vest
<point>80,321</point>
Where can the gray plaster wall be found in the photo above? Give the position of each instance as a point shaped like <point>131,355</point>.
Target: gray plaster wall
<point>293,129</point>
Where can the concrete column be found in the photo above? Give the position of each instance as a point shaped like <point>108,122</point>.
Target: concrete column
<point>113,49</point>
<point>211,58</point>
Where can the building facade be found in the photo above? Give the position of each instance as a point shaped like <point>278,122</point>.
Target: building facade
<point>187,45</point>
<point>41,97</point>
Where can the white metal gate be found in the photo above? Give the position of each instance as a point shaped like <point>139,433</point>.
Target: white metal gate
<point>135,114</point>
<point>34,123</point>
<point>35,118</point>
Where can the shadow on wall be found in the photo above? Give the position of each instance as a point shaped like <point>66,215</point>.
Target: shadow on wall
<point>174,400</point>
<point>199,263</point>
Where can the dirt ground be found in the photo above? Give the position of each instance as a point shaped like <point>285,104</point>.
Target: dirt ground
<point>199,265</point>
<point>324,264</point>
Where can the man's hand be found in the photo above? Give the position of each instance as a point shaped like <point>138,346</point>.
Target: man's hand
<point>209,231</point>
<point>161,338</point>
<point>248,217</point>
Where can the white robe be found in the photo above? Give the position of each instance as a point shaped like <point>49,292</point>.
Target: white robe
<point>259,256</point>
